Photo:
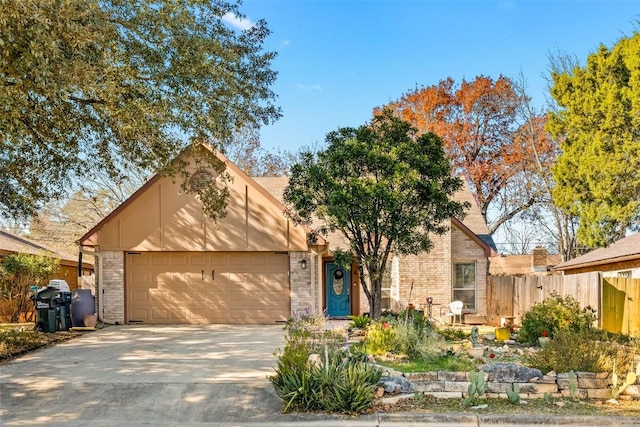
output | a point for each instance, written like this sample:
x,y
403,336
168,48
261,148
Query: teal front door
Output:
x,y
337,290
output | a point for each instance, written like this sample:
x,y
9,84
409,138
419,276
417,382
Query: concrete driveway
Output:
x,y
146,375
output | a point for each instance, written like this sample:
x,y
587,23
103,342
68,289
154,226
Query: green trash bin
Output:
x,y
46,309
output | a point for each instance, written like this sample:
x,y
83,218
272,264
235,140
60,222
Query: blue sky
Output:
x,y
337,60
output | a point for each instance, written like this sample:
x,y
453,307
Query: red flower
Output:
x,y
492,356
545,333
385,325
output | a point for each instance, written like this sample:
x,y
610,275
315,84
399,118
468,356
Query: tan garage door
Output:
x,y
207,287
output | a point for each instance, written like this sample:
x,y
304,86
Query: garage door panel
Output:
x,y
141,296
218,260
137,314
179,287
239,260
159,259
199,260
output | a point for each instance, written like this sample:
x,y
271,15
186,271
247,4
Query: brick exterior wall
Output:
x,y
432,273
304,282
112,286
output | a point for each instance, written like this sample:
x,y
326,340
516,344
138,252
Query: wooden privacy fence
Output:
x,y
616,300
621,305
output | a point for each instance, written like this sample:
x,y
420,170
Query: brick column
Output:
x,y
112,286
300,280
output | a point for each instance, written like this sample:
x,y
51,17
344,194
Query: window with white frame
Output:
x,y
386,303
464,284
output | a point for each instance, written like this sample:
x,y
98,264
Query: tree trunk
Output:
x,y
375,298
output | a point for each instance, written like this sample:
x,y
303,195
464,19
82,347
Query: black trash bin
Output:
x,y
64,311
46,309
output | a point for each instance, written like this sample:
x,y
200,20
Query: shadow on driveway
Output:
x,y
153,375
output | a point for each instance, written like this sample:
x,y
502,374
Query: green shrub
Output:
x,y
338,384
416,342
380,338
453,334
305,323
416,319
360,321
580,351
552,315
306,335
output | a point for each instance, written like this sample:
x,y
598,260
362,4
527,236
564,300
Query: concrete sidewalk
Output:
x,y
213,375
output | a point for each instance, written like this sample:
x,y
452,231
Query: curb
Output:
x,y
482,419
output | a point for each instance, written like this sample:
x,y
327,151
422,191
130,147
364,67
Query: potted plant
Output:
x,y
503,334
543,339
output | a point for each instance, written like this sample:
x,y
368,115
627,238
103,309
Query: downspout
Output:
x,y
99,284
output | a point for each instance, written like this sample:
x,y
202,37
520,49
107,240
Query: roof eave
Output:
x,y
561,267
488,251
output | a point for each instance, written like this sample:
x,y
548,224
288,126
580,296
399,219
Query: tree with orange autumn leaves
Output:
x,y
486,139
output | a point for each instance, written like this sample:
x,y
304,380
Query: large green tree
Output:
x,y
597,174
87,84
383,186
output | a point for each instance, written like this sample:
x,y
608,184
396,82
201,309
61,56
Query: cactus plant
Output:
x,y
477,387
512,393
631,377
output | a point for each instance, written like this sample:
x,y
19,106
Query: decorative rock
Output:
x,y
632,390
314,360
612,402
560,404
379,392
490,337
456,386
421,376
453,376
510,372
397,385
395,399
431,386
598,393
581,374
388,372
476,353
538,388
592,383
485,406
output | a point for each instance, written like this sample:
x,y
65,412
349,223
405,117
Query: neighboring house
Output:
x,y
620,259
538,263
12,244
162,261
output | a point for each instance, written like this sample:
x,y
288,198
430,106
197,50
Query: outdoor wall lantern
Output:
x,y
303,264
